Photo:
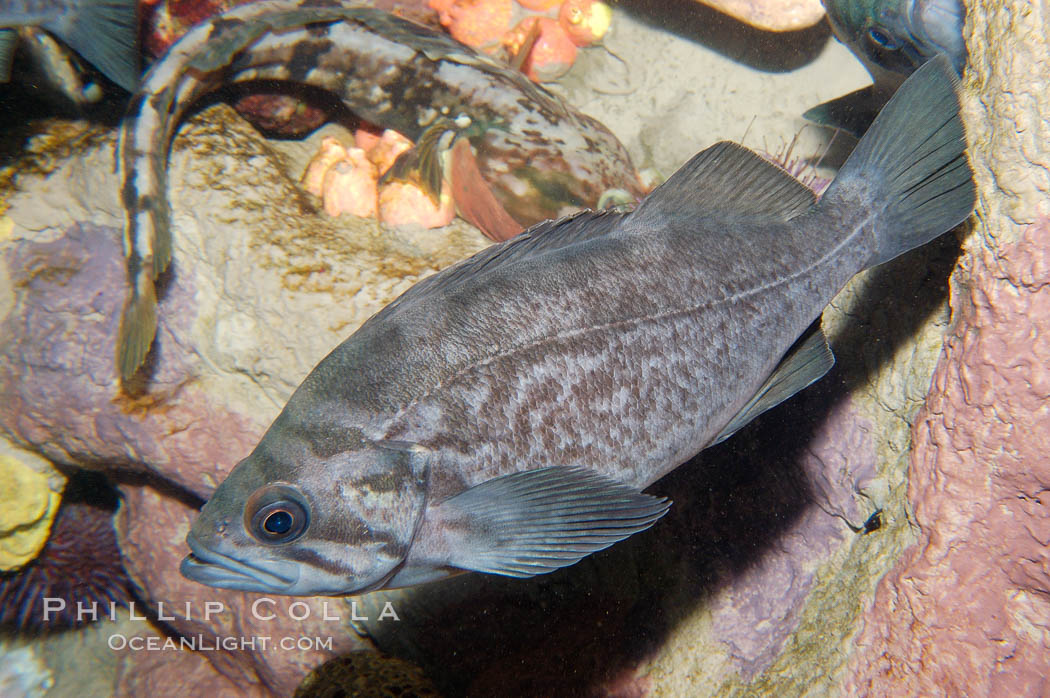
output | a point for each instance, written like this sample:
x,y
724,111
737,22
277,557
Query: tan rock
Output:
x,y
772,15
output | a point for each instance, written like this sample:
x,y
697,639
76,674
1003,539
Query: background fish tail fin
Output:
x,y
105,32
8,40
910,169
138,325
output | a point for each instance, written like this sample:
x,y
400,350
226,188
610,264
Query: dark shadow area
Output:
x,y
23,106
775,52
584,630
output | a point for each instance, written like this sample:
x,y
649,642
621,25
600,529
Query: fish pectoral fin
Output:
x,y
726,182
474,199
803,365
8,41
425,163
105,33
538,521
852,113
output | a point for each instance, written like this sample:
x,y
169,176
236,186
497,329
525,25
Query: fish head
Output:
x,y
899,35
319,524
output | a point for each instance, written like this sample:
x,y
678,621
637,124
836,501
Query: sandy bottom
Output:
x,y
674,77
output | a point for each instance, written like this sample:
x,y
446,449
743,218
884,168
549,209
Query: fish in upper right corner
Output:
x,y
892,38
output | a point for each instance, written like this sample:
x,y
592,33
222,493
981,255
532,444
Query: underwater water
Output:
x,y
159,309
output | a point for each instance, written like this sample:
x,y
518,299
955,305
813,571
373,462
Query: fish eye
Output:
x,y
275,514
883,39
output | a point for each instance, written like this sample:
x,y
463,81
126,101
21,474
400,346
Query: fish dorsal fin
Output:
x,y
537,521
542,238
803,365
728,182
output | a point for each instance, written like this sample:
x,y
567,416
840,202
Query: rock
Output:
x,y
965,611
772,15
366,674
253,258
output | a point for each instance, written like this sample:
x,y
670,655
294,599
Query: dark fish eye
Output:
x,y
279,521
881,38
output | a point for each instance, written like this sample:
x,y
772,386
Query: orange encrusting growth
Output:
x,y
551,52
347,181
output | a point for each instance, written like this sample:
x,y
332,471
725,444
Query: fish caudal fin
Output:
x,y
138,326
537,521
910,169
105,33
8,41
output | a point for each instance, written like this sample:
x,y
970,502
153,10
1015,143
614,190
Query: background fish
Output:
x,y
503,415
104,32
892,38
540,157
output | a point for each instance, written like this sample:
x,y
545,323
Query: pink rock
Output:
x,y
966,611
71,290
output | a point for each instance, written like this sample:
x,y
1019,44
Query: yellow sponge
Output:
x,y
28,503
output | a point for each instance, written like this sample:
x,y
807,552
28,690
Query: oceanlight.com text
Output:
x,y
200,643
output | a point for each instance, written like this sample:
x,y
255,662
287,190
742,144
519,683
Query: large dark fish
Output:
x,y
892,38
540,157
504,414
102,31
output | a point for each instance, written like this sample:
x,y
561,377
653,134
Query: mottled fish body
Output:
x,y
540,157
102,31
503,415
892,38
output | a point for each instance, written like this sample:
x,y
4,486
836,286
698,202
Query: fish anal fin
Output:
x,y
802,366
727,182
537,521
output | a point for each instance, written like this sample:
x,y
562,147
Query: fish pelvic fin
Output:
x,y
105,33
910,169
535,522
138,326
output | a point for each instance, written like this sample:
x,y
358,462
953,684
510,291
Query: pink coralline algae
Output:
x,y
967,610
173,448
71,292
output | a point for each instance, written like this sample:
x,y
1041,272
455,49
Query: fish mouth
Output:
x,y
217,570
